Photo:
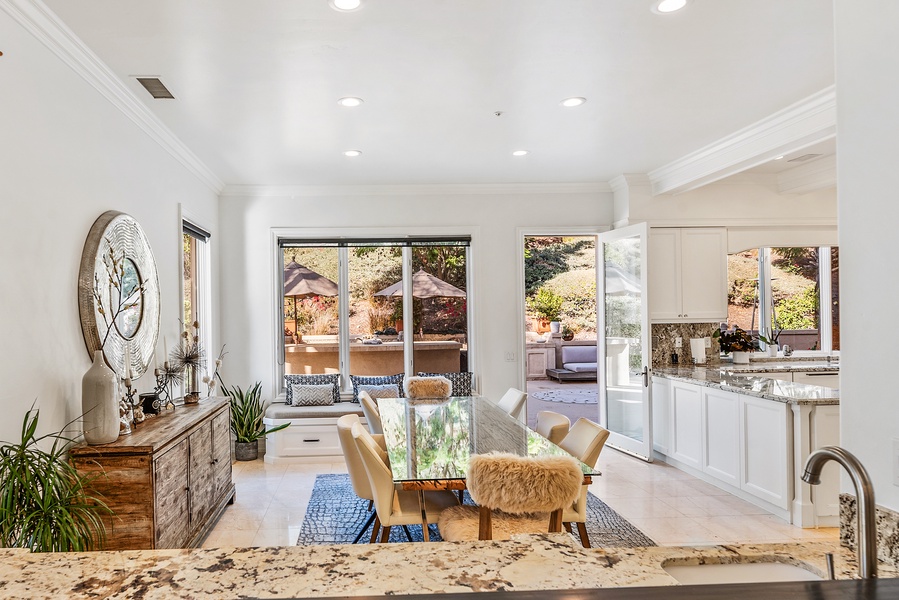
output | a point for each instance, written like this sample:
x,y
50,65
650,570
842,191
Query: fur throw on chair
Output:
x,y
427,387
517,484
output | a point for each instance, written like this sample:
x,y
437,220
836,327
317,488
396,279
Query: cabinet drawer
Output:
x,y
310,440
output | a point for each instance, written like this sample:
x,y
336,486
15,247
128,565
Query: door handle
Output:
x,y
645,377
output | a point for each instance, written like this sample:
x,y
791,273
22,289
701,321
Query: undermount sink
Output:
x,y
739,573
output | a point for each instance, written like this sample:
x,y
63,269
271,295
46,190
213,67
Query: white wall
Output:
x,y
66,156
248,269
867,59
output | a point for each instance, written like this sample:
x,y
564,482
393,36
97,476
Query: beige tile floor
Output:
x,y
668,505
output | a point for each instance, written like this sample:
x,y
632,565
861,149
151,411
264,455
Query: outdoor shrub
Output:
x,y
799,311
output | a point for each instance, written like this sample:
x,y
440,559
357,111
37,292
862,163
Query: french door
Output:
x,y
624,339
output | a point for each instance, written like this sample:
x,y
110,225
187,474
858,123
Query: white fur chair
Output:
x,y
427,387
552,425
515,494
512,402
585,441
371,412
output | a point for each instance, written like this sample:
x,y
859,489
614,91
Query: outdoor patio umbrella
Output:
x,y
424,285
302,282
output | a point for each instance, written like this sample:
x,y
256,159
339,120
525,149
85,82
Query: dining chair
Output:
x,y
371,412
394,507
552,425
434,386
585,441
514,494
354,465
512,402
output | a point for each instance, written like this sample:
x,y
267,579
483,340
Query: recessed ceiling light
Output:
x,y
345,5
778,157
519,152
350,101
353,153
668,6
570,102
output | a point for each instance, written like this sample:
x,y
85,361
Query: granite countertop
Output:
x,y
541,562
780,365
752,385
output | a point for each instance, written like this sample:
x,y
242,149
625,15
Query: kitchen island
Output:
x,y
750,433
528,563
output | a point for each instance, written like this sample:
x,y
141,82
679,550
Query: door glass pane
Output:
x,y
624,335
376,272
440,309
310,310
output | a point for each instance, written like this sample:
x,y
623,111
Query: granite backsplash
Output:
x,y
887,529
663,340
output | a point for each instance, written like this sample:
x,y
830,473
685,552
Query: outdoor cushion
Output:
x,y
580,367
312,395
579,354
462,382
358,380
320,379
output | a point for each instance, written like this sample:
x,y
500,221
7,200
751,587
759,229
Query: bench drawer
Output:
x,y
306,440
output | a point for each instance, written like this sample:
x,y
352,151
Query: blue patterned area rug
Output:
x,y
335,514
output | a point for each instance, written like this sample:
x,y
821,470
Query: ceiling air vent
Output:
x,y
804,158
155,87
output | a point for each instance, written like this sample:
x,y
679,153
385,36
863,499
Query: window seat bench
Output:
x,y
312,435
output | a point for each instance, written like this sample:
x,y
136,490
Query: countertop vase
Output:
x,y
740,358
100,403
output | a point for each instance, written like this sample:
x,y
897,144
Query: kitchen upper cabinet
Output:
x,y
687,274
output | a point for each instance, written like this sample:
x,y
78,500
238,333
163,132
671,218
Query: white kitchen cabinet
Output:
x,y
687,274
661,414
686,424
722,435
766,463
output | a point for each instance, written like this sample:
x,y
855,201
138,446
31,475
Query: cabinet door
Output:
x,y
661,414
703,272
722,436
686,415
221,452
202,484
664,275
766,461
171,502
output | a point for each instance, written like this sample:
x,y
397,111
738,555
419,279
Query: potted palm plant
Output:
x,y
247,411
45,502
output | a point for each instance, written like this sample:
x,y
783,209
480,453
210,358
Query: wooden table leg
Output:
x,y
425,534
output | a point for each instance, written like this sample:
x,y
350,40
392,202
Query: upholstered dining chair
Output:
x,y
394,507
371,412
585,441
354,465
512,402
433,386
528,493
552,425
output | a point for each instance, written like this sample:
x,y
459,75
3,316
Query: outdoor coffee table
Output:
x,y
429,441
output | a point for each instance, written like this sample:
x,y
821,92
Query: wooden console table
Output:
x,y
167,482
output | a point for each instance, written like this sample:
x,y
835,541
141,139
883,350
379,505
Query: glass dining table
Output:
x,y
429,441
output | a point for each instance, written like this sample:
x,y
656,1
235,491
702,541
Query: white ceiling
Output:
x,y
256,83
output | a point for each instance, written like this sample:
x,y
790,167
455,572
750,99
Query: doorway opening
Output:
x,y
560,326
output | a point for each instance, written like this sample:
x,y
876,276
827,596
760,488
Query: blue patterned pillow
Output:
x,y
462,382
321,379
358,380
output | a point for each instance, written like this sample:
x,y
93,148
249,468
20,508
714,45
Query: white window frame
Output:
x,y
277,270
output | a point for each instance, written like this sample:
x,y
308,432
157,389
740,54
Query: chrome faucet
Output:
x,y
866,537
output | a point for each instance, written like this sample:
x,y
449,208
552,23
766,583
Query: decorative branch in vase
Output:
x,y
189,357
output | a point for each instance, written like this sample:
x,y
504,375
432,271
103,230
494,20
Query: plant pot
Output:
x,y
568,337
772,350
246,450
555,326
741,358
542,325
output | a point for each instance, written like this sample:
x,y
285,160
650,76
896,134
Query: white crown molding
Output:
x,y
42,23
460,189
800,125
816,175
778,223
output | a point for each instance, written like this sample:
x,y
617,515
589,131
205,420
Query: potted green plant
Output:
x,y
45,503
567,333
247,411
547,306
739,342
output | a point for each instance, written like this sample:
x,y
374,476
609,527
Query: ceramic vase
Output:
x,y
100,403
741,358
